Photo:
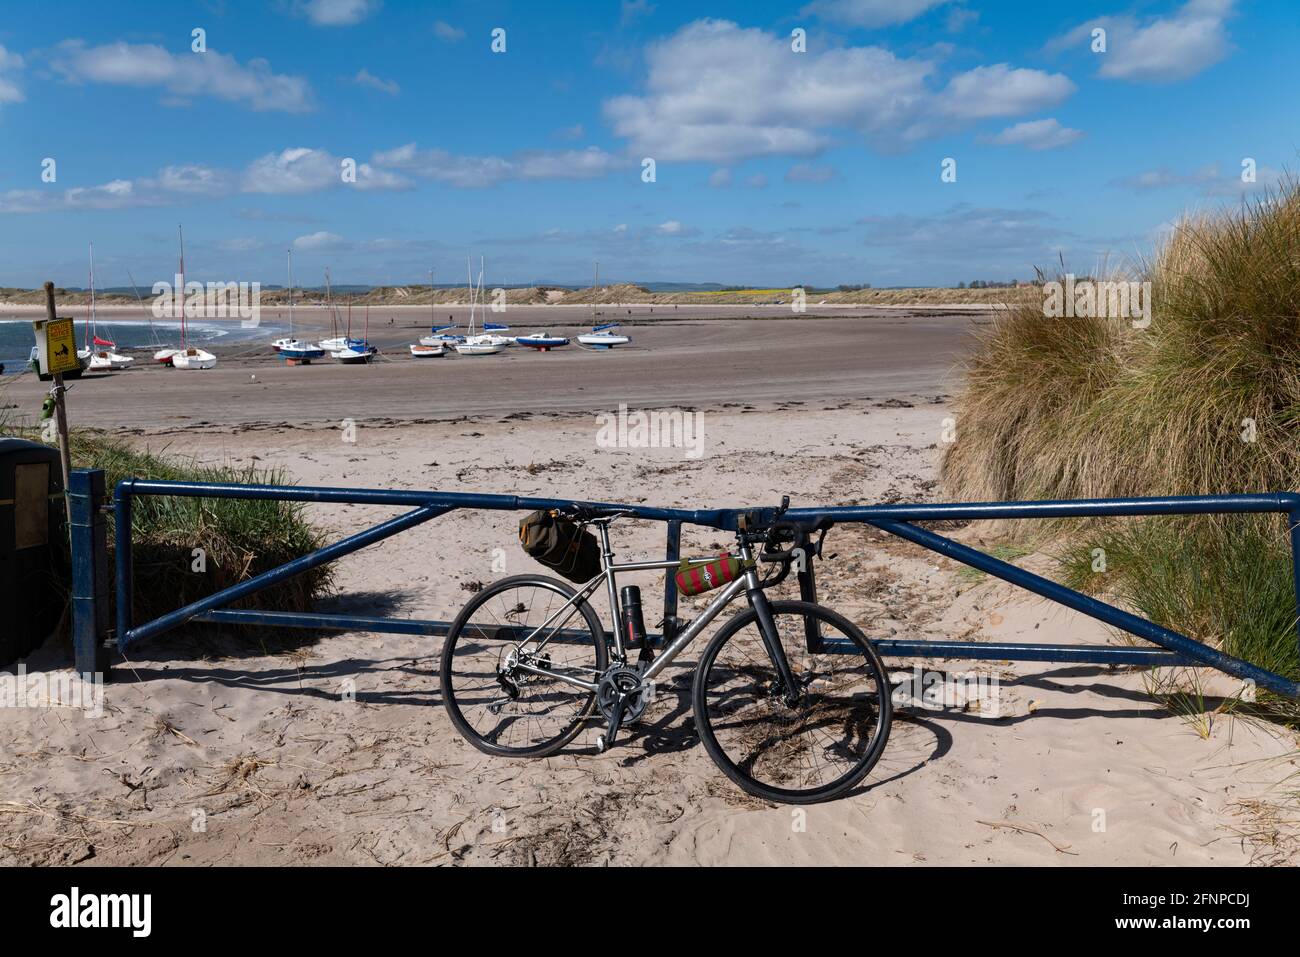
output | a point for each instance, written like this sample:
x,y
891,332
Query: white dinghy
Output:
x,y
189,357
101,353
481,344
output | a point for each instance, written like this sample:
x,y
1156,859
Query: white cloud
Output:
x,y
319,240
959,18
1158,49
365,78
720,93
1000,90
336,13
191,179
720,178
445,32
1020,236
239,244
182,75
1036,135
303,170
299,170
870,13
10,91
1209,180
116,194
670,228
632,9
809,173
167,186
481,171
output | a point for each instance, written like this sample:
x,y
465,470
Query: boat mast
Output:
x,y
432,319
329,303
290,255
148,314
181,234
469,288
90,309
595,281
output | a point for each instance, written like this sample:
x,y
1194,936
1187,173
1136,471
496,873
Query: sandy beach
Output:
x,y
707,361
237,754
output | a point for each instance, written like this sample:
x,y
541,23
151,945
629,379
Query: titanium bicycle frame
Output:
x,y
749,583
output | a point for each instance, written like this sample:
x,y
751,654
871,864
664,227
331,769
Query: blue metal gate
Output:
x,y
1171,648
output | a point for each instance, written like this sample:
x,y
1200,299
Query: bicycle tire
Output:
x,y
456,633
708,723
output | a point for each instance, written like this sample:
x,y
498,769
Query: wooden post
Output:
x,y
60,411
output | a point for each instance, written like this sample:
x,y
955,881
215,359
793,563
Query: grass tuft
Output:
x,y
1206,400
239,538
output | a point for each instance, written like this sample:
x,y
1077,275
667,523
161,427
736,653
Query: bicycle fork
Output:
x,y
772,640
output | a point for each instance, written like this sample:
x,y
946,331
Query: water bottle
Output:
x,y
632,623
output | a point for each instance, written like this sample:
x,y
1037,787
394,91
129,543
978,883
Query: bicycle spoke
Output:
x,y
507,707
813,745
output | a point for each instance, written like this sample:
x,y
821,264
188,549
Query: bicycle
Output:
x,y
790,699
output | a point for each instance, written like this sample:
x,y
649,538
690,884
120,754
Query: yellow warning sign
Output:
x,y
61,346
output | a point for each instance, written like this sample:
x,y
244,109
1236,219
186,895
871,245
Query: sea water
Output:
x,y
17,338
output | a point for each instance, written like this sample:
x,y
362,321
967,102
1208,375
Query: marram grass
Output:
x,y
1205,400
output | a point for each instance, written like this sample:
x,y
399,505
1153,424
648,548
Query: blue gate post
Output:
x,y
672,552
122,553
813,638
89,542
1295,569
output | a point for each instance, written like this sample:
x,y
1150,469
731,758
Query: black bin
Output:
x,y
34,575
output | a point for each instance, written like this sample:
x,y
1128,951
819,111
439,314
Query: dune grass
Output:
x,y
238,538
1205,400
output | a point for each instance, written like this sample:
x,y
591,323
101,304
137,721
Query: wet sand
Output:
x,y
709,359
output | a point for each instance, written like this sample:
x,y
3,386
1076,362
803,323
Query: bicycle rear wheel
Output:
x,y
501,708
814,750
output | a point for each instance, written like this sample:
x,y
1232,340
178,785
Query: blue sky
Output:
x,y
772,166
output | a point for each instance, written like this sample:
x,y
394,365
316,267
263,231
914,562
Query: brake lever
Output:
x,y
821,540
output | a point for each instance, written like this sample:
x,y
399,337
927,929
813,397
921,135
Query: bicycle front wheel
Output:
x,y
503,667
815,749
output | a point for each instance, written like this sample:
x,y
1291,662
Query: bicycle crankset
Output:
x,y
622,695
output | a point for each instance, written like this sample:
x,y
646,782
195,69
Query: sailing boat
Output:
x,y
187,356
288,340
293,349
477,345
101,359
335,342
600,336
541,341
153,332
357,351
165,355
434,344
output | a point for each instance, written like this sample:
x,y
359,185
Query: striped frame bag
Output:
x,y
693,578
